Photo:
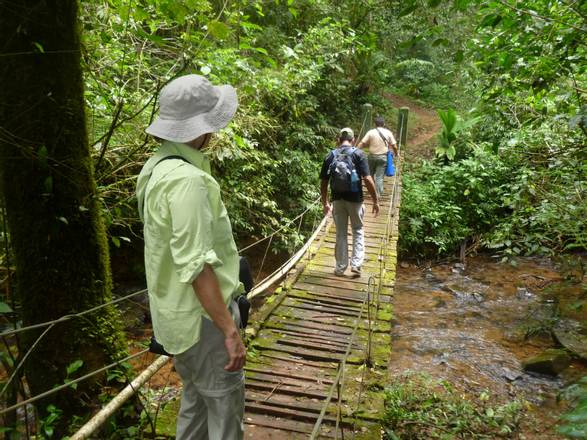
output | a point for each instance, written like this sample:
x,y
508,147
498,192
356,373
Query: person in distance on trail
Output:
x,y
379,140
345,168
191,260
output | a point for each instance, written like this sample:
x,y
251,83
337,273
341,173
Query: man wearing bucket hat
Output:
x,y
191,260
345,168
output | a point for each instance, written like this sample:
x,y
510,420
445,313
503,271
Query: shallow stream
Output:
x,y
474,325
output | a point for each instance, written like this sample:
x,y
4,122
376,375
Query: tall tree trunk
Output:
x,y
57,232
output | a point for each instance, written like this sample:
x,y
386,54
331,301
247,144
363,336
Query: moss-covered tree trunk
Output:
x,y
57,233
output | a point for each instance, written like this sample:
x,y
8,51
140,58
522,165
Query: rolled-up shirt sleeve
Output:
x,y
192,233
365,141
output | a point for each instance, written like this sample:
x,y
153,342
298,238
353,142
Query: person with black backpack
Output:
x,y
345,168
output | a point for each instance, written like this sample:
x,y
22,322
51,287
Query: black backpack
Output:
x,y
342,171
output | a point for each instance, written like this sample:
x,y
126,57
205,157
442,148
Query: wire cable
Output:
x,y
68,384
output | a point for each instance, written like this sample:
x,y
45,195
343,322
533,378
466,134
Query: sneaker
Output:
x,y
339,273
356,270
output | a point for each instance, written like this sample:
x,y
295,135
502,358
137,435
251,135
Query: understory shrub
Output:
x,y
442,205
573,423
419,408
415,75
523,195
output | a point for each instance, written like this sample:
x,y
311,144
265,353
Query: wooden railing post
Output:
x,y
402,126
367,120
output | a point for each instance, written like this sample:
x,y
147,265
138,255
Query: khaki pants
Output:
x,y
377,164
213,400
342,211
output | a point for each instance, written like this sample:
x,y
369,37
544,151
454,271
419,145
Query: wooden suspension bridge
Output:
x,y
318,358
318,350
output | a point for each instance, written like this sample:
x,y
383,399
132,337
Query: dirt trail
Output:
x,y
421,135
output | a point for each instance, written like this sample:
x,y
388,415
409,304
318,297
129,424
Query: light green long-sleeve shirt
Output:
x,y
185,226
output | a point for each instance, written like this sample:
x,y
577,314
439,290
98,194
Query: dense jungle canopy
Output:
x,y
512,156
508,78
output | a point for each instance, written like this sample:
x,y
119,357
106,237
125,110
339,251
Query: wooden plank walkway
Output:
x,y
311,327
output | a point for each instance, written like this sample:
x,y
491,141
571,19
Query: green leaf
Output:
x,y
434,3
48,185
439,42
490,20
115,241
408,9
451,152
74,366
574,431
461,5
43,156
218,29
39,47
5,308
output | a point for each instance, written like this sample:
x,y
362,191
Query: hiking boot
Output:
x,y
356,271
339,273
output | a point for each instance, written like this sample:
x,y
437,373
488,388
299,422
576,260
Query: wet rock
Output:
x,y
440,359
524,294
570,335
458,268
468,297
440,303
511,375
550,362
431,278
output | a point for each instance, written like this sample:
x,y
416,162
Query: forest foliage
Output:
x,y
512,78
510,173
299,74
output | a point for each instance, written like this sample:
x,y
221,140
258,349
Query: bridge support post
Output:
x,y
367,120
402,126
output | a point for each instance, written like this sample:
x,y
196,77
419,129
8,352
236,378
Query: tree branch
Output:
x,y
535,14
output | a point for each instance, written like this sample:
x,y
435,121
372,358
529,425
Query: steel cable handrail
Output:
x,y
280,229
71,316
73,381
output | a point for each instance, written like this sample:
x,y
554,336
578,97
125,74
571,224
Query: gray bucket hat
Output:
x,y
190,106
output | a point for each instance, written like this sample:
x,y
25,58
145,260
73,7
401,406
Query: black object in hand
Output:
x,y
156,347
244,305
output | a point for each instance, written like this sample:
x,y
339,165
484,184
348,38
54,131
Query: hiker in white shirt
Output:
x,y
379,140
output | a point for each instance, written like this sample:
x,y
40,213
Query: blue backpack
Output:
x,y
342,171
